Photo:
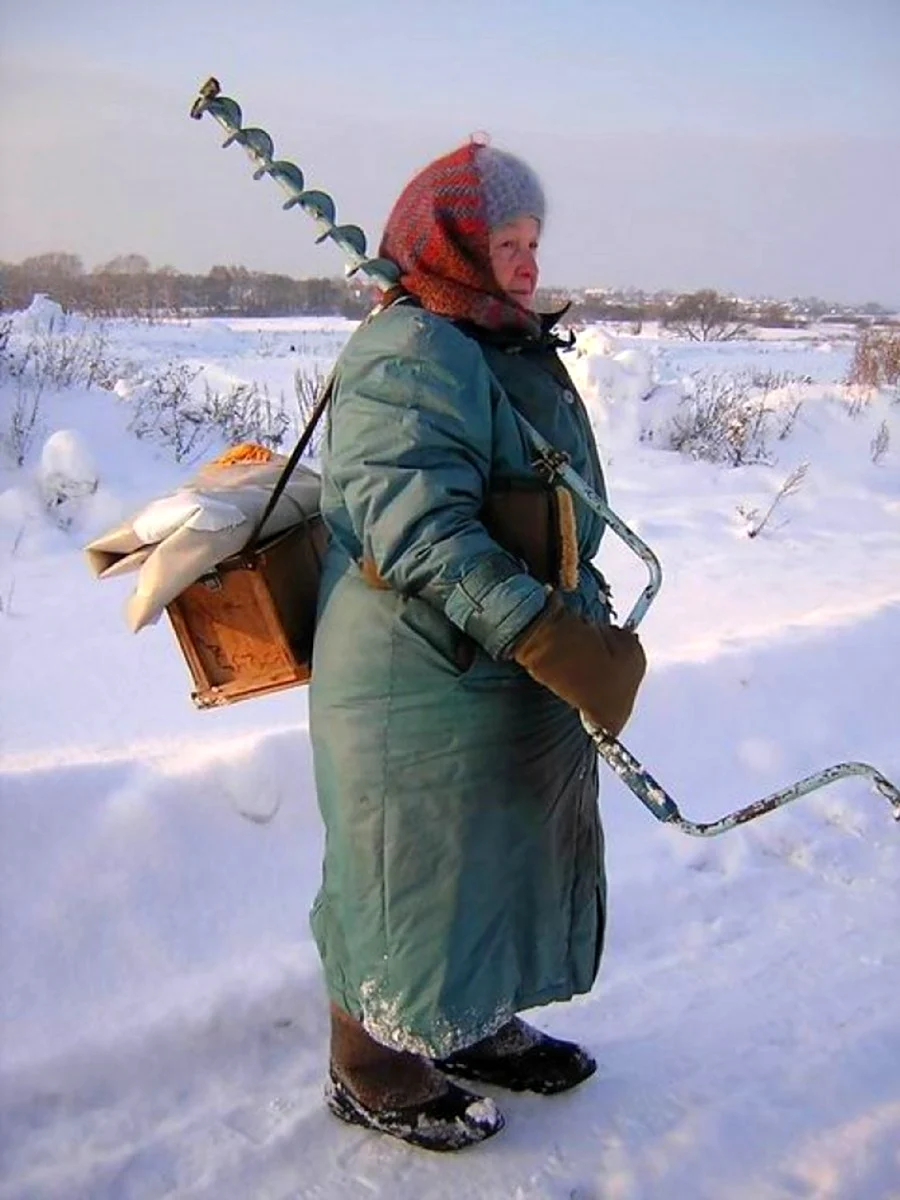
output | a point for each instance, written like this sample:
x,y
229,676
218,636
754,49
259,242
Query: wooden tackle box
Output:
x,y
247,628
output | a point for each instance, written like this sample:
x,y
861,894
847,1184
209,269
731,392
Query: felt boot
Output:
x,y
522,1059
401,1094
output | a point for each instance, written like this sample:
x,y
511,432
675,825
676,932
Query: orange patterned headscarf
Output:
x,y
437,234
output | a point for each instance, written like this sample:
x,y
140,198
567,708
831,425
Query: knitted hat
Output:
x,y
510,187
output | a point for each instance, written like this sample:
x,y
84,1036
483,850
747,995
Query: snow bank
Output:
x,y
167,1026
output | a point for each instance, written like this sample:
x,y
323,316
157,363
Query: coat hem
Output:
x,y
381,1020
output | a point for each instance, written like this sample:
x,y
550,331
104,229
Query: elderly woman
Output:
x,y
462,630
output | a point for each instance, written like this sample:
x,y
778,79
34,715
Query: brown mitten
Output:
x,y
595,668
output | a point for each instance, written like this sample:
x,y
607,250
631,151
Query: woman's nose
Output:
x,y
527,264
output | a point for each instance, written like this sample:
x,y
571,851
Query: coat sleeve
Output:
x,y
407,466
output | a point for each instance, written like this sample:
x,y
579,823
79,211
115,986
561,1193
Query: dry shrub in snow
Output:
x,y
876,359
722,419
308,385
756,521
880,443
57,353
164,411
248,413
170,411
733,417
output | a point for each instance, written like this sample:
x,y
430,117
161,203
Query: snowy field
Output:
x,y
164,1024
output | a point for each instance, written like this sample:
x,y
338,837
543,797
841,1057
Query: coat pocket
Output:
x,y
427,626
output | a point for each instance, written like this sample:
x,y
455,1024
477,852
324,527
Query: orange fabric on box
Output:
x,y
244,452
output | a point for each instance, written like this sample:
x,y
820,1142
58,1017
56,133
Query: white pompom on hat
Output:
x,y
511,188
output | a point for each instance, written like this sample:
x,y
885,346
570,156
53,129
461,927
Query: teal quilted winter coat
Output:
x,y
463,876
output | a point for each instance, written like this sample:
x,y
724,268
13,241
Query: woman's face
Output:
x,y
514,258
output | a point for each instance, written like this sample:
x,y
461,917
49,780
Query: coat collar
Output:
x,y
520,341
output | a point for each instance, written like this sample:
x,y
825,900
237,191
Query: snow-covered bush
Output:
x,y
731,417
43,350
720,419
64,358
59,351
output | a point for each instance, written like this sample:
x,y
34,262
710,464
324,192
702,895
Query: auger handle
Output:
x,y
553,463
657,800
208,92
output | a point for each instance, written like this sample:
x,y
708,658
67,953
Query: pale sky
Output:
x,y
748,145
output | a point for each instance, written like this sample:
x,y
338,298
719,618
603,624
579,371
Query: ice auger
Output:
x,y
320,206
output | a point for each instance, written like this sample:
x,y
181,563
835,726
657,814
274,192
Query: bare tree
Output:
x,y
55,265
125,264
705,316
58,274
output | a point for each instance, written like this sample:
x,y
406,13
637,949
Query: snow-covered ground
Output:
x,y
164,1024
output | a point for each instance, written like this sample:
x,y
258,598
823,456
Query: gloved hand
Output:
x,y
595,668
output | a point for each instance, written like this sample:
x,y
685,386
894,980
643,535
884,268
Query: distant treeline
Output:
x,y
128,286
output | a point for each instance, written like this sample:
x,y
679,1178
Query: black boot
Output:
x,y
401,1094
522,1059
450,1121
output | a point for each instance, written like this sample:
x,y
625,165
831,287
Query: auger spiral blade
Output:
x,y
289,178
351,240
320,206
383,268
316,203
259,147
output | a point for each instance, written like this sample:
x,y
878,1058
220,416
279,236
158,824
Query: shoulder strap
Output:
x,y
396,296
291,464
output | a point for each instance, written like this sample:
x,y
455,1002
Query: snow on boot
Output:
x,y
450,1121
522,1059
401,1094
